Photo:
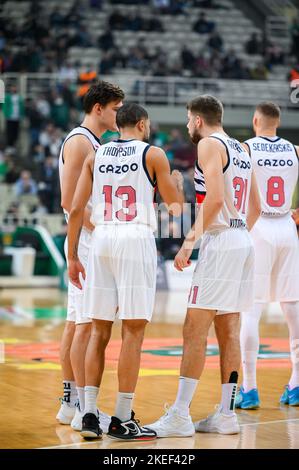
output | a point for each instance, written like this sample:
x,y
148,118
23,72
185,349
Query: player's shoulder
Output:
x,y
210,142
76,142
155,152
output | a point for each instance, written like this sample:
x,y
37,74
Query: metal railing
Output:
x,y
169,91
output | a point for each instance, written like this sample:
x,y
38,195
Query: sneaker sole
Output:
x,y
162,435
64,421
77,429
90,435
118,438
249,407
216,431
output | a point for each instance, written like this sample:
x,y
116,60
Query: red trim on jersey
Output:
x,y
200,198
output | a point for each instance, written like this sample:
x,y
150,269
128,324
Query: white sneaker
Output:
x,y
76,423
219,422
104,419
65,413
172,424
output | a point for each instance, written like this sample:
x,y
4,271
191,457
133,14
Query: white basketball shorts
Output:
x,y
223,276
277,260
121,273
75,295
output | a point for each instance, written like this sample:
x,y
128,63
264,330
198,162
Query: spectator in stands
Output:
x,y
50,139
295,37
48,183
254,45
60,111
175,143
12,166
67,72
274,55
117,21
106,40
215,41
35,121
187,59
202,25
158,137
107,62
25,184
259,72
13,109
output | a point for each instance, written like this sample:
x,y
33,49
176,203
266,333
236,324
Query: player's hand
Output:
x,y
74,269
182,261
178,178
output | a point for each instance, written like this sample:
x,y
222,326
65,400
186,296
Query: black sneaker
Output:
x,y
91,427
129,430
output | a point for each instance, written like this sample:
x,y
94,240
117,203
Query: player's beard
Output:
x,y
146,137
195,137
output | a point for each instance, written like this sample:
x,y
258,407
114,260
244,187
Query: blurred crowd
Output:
x,y
42,43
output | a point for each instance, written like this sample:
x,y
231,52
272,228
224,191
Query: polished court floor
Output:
x,y
31,323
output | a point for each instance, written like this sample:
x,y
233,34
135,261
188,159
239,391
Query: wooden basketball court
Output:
x,y
31,323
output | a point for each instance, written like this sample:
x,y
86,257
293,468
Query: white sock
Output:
x,y
249,341
187,387
228,398
123,408
69,392
291,311
81,398
91,394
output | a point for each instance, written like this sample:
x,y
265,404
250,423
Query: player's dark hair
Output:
x,y
102,93
269,109
208,107
129,114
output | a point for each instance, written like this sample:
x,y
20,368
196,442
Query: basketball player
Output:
x,y
121,272
100,106
223,279
275,162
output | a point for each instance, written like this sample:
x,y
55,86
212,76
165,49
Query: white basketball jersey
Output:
x,y
123,191
275,163
237,183
95,142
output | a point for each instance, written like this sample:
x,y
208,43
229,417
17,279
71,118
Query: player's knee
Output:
x,y
101,331
83,331
134,328
69,328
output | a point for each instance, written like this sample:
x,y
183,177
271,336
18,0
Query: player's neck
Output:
x,y
266,132
94,126
214,130
129,135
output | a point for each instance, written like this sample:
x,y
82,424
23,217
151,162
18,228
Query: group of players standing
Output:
x,y
107,197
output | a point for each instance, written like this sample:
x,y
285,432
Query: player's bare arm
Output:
x,y
254,206
74,154
76,219
212,159
170,185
